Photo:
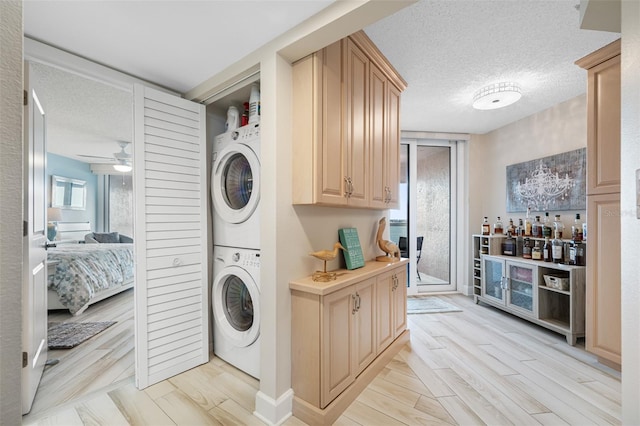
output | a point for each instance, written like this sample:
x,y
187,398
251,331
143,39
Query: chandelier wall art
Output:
x,y
548,184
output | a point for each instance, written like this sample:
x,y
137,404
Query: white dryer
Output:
x,y
236,307
235,188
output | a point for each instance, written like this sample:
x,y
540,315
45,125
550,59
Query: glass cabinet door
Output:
x,y
520,288
492,280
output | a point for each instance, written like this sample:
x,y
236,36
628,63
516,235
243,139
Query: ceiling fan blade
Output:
x,y
95,156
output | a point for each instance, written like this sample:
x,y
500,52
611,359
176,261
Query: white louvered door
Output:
x,y
170,235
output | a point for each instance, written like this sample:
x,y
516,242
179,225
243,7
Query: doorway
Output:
x,y
425,225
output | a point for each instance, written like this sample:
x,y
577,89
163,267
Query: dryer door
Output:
x,y
236,305
235,183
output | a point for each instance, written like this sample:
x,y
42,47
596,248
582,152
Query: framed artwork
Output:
x,y
553,183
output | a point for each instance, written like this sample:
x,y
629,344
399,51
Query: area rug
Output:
x,y
67,335
429,305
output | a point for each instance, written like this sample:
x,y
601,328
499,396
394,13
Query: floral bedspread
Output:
x,y
83,270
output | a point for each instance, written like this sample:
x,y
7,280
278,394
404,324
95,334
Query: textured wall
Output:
x,y
631,225
10,210
121,204
432,210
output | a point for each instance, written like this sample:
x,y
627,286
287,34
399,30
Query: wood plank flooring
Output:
x,y
478,366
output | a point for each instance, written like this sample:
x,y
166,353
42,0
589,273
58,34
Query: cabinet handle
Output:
x,y
350,187
387,195
358,301
355,305
346,186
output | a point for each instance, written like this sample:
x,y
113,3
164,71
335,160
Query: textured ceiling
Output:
x,y
445,49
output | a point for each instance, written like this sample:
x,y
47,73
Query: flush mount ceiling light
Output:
x,y
496,96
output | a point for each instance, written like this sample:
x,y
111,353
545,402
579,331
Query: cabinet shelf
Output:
x,y
555,290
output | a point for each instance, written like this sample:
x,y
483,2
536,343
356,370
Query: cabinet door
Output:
x,y
393,145
333,149
492,279
603,293
400,302
603,131
364,330
385,296
356,82
520,294
337,336
378,171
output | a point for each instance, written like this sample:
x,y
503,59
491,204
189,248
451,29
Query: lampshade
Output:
x,y
54,214
496,96
122,166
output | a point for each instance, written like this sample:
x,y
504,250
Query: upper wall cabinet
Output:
x,y
347,126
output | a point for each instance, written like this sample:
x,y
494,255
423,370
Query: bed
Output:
x,y
83,274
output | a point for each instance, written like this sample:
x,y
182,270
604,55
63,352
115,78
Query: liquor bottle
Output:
x,y
546,225
557,252
558,225
526,249
536,228
509,246
536,252
520,229
486,228
576,229
578,253
546,250
527,223
511,228
497,227
519,238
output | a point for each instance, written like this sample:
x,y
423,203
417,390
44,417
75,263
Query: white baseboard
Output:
x,y
271,411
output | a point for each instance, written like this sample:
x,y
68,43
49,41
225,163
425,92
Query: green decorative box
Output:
x,y
353,256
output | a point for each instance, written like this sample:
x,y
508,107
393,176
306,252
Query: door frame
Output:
x,y
458,220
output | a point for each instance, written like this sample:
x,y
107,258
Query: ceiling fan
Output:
x,y
121,160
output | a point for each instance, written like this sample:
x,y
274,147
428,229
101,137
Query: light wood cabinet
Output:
x,y
346,133
391,306
603,203
336,336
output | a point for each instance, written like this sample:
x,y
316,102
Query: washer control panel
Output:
x,y
246,260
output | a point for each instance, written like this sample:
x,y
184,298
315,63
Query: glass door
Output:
x,y
520,291
493,278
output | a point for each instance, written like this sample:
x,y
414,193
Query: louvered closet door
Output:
x,y
170,236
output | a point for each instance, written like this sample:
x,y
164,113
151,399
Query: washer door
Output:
x,y
236,306
235,183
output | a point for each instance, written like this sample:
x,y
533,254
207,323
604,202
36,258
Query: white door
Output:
x,y
170,181
34,286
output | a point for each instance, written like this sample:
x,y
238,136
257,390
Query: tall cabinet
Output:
x,y
603,314
347,134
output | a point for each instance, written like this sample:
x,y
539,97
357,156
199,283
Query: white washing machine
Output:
x,y
235,188
236,307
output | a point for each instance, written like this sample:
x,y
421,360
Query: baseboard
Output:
x,y
272,411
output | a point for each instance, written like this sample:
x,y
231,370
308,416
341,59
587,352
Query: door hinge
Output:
x,y
25,359
25,228
25,100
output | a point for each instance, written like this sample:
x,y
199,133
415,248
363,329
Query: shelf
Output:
x,y
555,290
556,323
522,293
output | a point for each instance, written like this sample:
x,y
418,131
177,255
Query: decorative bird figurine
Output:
x,y
325,255
389,247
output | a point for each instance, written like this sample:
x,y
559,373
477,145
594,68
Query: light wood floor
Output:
x,y
478,366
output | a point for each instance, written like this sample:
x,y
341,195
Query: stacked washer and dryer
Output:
x,y
235,190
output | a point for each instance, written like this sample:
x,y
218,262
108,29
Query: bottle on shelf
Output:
x,y
576,229
557,249
509,246
511,227
497,227
527,223
536,228
536,252
486,227
244,120
576,256
546,226
558,225
520,228
526,249
546,250
519,239
254,104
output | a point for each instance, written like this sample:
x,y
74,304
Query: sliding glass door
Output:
x,y
426,222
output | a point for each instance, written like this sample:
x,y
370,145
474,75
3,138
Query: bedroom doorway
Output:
x,y
87,120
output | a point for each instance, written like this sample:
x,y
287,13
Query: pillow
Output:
x,y
106,237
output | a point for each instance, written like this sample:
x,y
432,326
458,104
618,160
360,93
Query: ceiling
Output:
x,y
446,50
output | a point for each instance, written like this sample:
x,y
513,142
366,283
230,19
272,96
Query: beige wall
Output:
x,y
629,222
10,210
558,129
